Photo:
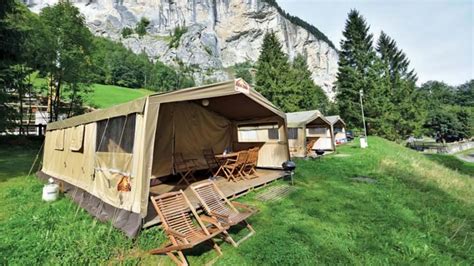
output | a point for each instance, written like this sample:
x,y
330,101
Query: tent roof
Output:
x,y
300,119
334,119
217,93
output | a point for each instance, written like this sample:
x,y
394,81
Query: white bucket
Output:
x,y
50,191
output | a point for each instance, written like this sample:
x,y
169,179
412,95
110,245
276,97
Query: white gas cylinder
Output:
x,y
50,191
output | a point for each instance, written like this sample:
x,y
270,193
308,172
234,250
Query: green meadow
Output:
x,y
414,210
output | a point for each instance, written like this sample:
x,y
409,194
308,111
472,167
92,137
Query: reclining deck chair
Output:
x,y
174,210
220,208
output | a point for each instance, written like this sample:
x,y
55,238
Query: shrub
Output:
x,y
126,32
176,37
140,29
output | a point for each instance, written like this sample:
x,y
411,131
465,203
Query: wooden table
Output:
x,y
226,156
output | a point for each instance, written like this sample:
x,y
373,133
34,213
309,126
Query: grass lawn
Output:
x,y
418,212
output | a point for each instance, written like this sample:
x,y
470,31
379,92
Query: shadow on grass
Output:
x,y
453,163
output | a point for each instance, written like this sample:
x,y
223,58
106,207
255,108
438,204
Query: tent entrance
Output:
x,y
189,127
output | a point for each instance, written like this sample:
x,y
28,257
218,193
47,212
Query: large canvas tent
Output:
x,y
339,128
94,152
306,126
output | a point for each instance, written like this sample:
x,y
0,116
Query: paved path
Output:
x,y
466,157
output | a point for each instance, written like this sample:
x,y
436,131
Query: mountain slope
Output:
x,y
220,33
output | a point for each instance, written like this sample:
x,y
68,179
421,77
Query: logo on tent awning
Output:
x,y
242,86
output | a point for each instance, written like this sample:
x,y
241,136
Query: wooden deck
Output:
x,y
230,189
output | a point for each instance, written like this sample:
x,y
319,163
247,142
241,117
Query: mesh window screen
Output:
x,y
273,133
292,133
316,131
116,134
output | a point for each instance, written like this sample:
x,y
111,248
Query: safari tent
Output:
x,y
308,131
339,128
93,154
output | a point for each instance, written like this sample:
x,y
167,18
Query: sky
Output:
x,y
436,35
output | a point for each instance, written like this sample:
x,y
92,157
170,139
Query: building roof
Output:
x,y
299,119
334,119
216,90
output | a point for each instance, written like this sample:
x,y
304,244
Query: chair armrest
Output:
x,y
210,220
175,233
219,215
244,206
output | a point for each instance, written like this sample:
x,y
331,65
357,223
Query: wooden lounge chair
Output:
x,y
211,161
176,213
250,168
220,208
185,168
233,169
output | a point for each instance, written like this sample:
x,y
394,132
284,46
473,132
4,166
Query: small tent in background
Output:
x,y
339,128
308,131
108,158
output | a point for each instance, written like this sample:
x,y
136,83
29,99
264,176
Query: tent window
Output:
x,y
59,139
292,133
116,134
273,134
77,138
248,135
258,133
316,131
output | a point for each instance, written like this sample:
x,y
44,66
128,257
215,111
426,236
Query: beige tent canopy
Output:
x,y
132,143
339,128
308,127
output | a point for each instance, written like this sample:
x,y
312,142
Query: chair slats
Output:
x,y
177,213
218,206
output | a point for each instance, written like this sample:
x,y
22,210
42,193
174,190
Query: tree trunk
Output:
x,y
50,98
57,100
73,97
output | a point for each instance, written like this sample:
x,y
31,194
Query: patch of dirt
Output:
x,y
364,179
341,155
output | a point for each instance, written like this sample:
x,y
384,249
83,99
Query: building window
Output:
x,y
273,134
116,134
292,133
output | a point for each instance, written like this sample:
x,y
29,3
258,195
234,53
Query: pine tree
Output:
x,y
402,91
361,70
311,95
355,60
271,78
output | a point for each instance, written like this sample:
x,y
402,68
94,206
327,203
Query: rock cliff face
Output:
x,y
220,33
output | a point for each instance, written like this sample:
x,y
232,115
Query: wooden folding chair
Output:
x,y
185,168
176,213
250,168
233,168
220,208
309,146
211,161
